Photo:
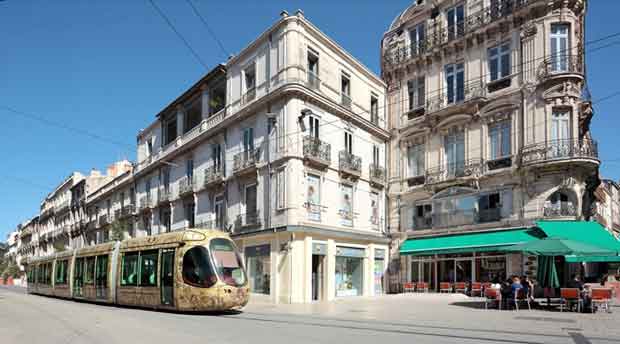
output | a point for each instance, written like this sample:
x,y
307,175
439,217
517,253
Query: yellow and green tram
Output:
x,y
191,270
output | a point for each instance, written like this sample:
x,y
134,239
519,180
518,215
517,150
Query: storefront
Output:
x,y
349,271
258,266
379,271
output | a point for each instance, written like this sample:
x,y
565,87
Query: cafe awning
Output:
x,y
588,232
468,242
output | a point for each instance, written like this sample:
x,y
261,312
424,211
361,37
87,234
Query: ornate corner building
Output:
x,y
489,122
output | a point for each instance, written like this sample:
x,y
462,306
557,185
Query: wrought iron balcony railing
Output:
x,y
219,224
317,150
345,101
440,35
377,174
559,150
213,175
186,185
163,194
459,169
145,203
247,220
422,222
248,96
559,209
127,210
350,163
245,160
472,90
560,64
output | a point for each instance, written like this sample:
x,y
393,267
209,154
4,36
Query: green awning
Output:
x,y
468,242
589,232
593,259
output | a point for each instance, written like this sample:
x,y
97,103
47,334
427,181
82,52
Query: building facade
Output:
x,y
607,211
490,127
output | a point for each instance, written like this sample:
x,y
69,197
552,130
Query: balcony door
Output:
x,y
560,134
250,204
248,142
455,82
560,49
218,210
454,146
456,22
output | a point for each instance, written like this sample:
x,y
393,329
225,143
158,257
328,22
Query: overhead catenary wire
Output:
x,y
225,52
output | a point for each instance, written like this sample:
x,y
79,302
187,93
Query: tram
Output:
x,y
190,270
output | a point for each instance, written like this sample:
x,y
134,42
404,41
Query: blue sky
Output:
x,y
110,66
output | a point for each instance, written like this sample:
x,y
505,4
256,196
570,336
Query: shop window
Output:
x,y
349,271
129,274
148,268
258,265
197,269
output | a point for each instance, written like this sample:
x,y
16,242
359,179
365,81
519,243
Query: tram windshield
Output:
x,y
227,262
197,270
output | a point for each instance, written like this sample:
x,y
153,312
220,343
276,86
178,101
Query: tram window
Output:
x,y
130,269
227,262
148,268
40,274
197,270
61,272
89,272
48,274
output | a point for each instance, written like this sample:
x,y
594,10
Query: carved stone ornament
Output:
x,y
529,30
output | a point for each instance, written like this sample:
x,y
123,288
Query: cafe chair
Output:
x,y
476,289
445,287
408,287
522,297
570,296
422,287
602,297
460,287
492,295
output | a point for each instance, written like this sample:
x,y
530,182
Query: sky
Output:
x,y
108,67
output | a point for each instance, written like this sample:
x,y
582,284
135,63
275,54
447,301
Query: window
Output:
x,y
147,187
217,97
345,89
423,216
374,109
108,206
216,154
375,219
313,197
193,114
313,123
189,169
48,273
416,89
218,210
122,199
197,270
101,271
190,214
499,138
313,68
560,47
489,207
415,159
149,146
170,129
346,210
280,189
250,199
61,272
148,268
248,139
165,173
89,271
165,219
146,219
348,142
499,61
560,125
456,24
129,273
416,39
227,262
375,155
454,147
250,78
132,196
455,82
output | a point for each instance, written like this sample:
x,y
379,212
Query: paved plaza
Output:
x,y
411,318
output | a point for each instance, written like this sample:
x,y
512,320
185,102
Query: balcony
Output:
x,y
422,222
145,203
378,175
499,163
247,221
62,206
560,65
244,163
186,186
449,172
489,215
249,96
218,224
349,164
472,91
214,177
561,209
128,210
313,82
317,152
559,150
416,179
163,195
457,217
435,38
103,220
345,100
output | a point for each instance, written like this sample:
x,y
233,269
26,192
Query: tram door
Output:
x,y
101,277
167,277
